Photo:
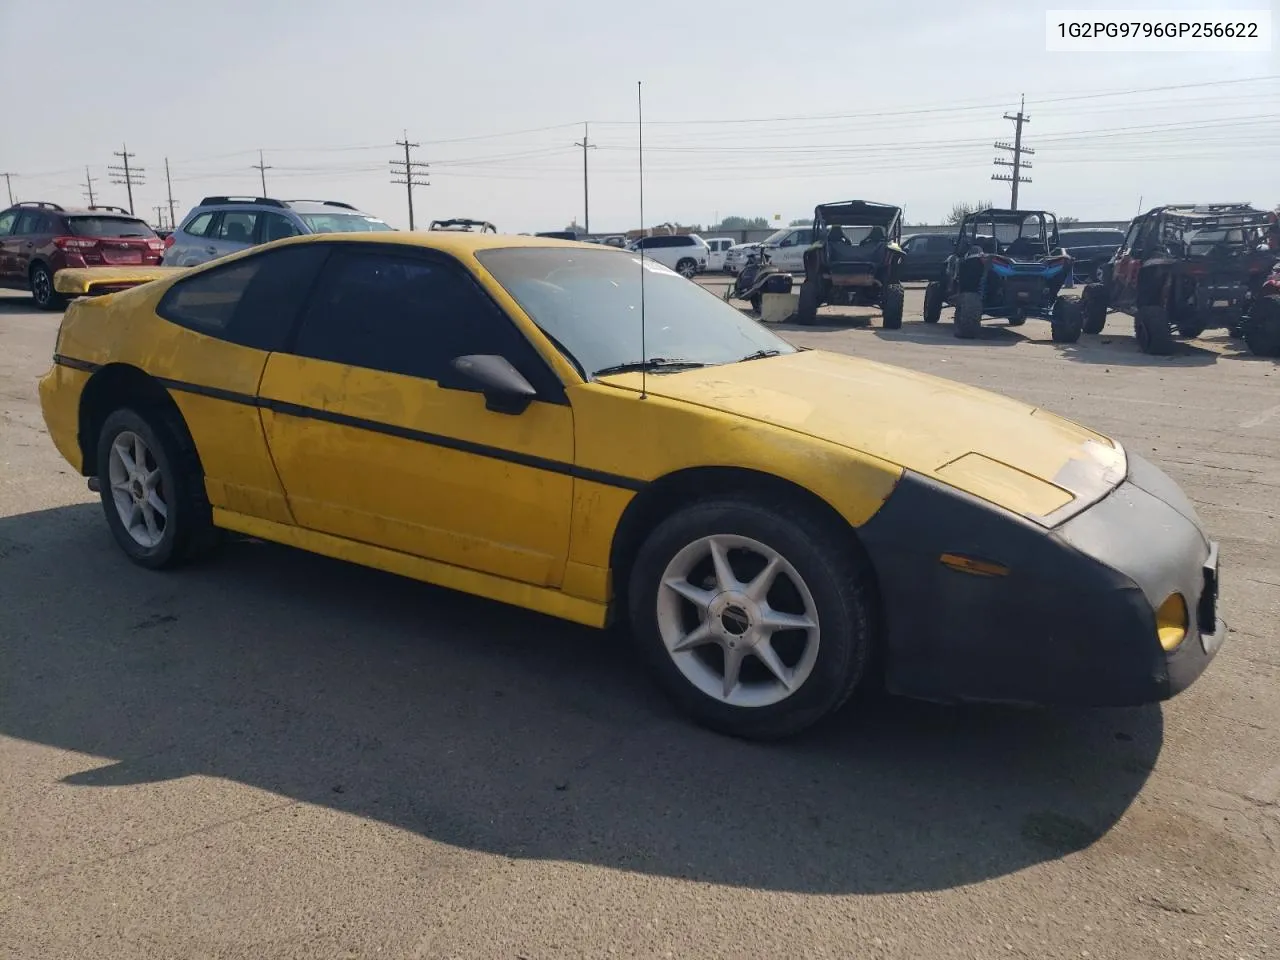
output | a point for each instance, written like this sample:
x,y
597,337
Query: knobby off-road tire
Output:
x,y
807,308
1152,331
1067,321
933,302
892,305
1094,300
1262,333
968,315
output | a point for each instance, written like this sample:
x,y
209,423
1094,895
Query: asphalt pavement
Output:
x,y
277,755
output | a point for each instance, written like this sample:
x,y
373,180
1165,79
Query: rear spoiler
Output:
x,y
96,281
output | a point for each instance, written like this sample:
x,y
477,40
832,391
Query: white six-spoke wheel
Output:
x,y
136,489
738,621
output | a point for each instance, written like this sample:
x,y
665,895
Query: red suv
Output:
x,y
38,239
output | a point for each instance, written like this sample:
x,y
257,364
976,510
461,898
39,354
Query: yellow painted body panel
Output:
x,y
123,328
894,415
60,391
546,600
78,281
457,506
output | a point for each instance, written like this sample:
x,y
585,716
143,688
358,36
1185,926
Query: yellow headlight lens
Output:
x,y
1171,622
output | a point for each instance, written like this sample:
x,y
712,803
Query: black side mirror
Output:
x,y
505,388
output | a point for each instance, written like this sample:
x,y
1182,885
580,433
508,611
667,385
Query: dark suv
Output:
x,y
38,239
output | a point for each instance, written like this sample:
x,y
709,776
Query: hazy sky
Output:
x,y
838,99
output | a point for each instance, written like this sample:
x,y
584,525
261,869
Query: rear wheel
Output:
x,y
807,308
933,302
1262,333
1018,319
1094,300
1067,320
152,489
755,618
756,302
42,291
892,305
968,315
1152,331
687,268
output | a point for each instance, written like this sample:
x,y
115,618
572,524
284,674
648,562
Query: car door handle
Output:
x,y
210,249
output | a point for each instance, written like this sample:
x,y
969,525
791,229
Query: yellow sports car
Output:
x,y
580,431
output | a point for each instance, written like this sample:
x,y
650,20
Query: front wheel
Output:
x,y
687,268
1262,332
152,489
1094,299
1152,331
755,619
968,315
42,291
807,308
1067,320
933,302
891,306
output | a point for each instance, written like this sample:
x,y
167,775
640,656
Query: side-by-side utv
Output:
x,y
854,260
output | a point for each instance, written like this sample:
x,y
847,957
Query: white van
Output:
x,y
717,247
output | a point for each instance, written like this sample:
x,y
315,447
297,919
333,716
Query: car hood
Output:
x,y
1017,456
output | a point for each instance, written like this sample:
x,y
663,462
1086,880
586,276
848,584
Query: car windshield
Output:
x,y
588,301
777,236
342,223
109,227
1091,238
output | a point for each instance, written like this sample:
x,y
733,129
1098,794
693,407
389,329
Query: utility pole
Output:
x,y
88,182
410,171
262,169
169,185
8,186
586,145
159,209
125,174
1017,149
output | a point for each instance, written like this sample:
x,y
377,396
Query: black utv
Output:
x,y
854,260
1007,263
1187,269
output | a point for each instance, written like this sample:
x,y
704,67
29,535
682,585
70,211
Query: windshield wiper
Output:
x,y
653,363
760,355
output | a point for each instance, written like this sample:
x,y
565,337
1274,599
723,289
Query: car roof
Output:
x,y
118,213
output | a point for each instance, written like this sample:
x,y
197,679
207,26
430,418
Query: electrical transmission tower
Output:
x,y
124,174
88,183
586,145
411,172
1017,149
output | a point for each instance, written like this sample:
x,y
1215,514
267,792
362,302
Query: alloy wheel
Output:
x,y
137,489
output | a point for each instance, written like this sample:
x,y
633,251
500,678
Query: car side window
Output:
x,y
199,227
409,315
275,227
27,223
7,220
237,226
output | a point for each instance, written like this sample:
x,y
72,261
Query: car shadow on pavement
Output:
x,y
1121,350
492,729
992,333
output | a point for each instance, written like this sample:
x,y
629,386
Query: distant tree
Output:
x,y
802,222
744,223
961,210
1068,220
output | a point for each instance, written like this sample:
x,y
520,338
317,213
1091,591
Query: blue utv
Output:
x,y
1007,263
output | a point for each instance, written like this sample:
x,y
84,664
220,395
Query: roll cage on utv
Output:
x,y
1007,263
854,260
464,225
1190,268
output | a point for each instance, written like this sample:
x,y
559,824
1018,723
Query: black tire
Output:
x,y
188,530
1262,332
838,578
1152,331
756,302
892,305
1018,319
807,308
1094,300
968,315
687,268
933,302
42,291
1067,320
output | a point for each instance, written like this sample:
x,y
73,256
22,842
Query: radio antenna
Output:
x,y
644,353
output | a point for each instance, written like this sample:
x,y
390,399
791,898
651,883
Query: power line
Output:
x,y
262,169
124,174
586,145
88,182
410,170
8,185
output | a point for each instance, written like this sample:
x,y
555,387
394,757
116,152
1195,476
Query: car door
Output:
x,y
1128,261
232,317
22,243
7,221
274,226
191,243
378,439
790,252
234,230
